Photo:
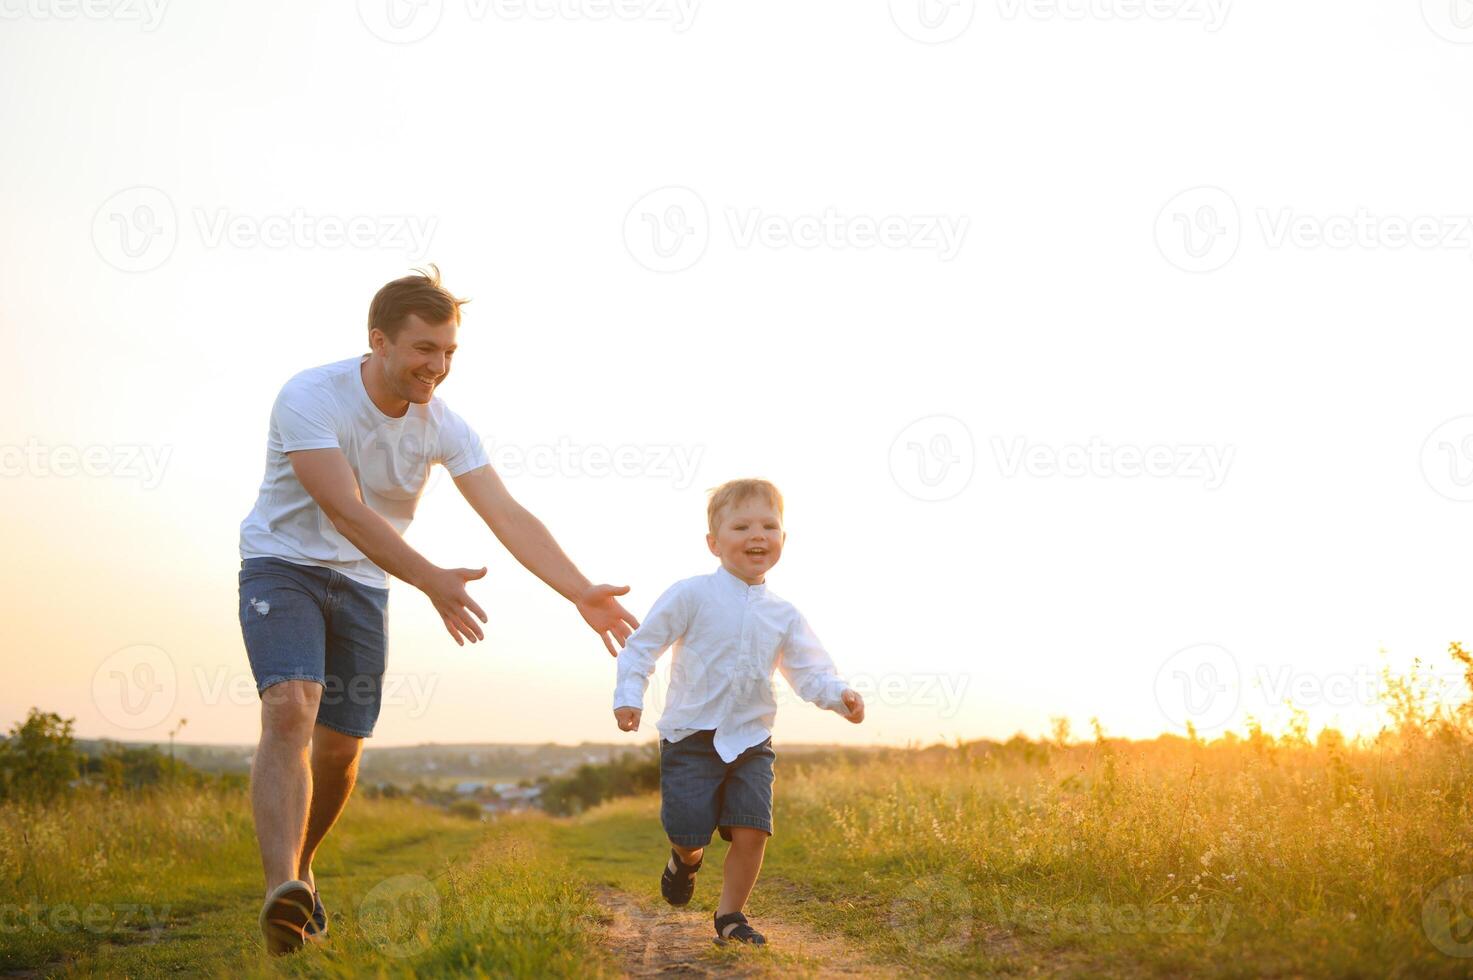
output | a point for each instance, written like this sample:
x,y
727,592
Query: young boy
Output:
x,y
729,633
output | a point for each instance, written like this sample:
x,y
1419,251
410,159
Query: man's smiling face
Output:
x,y
419,360
749,538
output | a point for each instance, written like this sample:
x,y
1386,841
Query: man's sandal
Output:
x,y
317,927
678,884
285,916
734,928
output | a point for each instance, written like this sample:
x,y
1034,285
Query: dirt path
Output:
x,y
671,942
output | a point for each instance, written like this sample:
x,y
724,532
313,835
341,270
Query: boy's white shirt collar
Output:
x,y
728,638
725,574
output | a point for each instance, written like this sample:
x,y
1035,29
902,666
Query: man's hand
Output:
x,y
602,611
446,589
855,705
628,719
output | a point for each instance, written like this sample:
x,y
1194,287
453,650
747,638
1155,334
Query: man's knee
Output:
x,y
289,710
334,749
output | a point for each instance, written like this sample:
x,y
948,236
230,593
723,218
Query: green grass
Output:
x,y
1241,858
170,882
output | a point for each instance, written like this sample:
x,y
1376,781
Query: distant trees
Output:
x,y
589,785
38,761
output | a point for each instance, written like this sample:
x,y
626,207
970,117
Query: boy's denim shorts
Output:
x,y
304,622
700,793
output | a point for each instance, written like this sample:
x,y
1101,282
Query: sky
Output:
x,y
1111,354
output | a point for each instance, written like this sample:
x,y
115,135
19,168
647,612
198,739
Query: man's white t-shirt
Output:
x,y
327,407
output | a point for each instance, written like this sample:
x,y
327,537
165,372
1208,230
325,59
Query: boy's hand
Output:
x,y
628,719
855,705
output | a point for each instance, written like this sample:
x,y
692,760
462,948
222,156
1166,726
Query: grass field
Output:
x,y
1249,857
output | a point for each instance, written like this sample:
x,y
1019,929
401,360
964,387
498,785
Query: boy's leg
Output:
x,y
743,863
746,821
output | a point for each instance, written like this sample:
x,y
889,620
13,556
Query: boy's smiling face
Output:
x,y
749,538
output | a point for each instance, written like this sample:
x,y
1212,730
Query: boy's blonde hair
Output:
x,y
734,492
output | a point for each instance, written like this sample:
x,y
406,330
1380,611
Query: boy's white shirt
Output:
x,y
728,637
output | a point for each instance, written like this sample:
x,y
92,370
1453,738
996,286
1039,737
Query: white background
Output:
x,y
1078,145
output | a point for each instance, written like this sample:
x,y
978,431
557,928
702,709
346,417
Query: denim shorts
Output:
x,y
307,623
700,793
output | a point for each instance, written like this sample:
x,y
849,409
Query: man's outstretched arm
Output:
x,y
532,544
327,477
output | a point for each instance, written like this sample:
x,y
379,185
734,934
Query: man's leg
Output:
x,y
334,771
281,777
739,873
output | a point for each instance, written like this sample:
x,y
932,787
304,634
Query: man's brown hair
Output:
x,y
737,491
419,294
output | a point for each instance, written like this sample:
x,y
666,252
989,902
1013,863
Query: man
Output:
x,y
348,453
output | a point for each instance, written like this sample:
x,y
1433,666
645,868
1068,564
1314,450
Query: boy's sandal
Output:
x,y
679,885
734,928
